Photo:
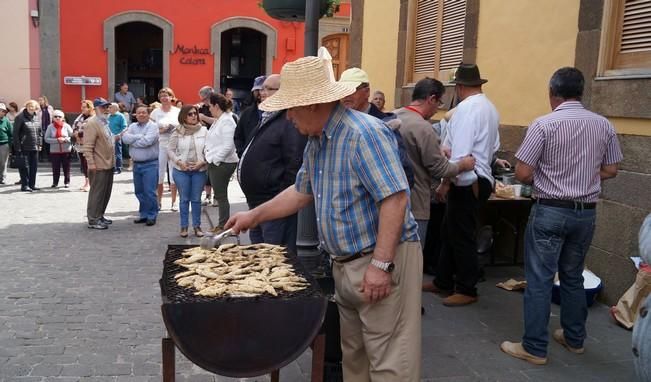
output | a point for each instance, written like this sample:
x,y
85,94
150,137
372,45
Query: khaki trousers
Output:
x,y
101,184
382,341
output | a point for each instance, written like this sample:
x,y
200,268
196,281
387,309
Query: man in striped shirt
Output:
x,y
565,155
351,171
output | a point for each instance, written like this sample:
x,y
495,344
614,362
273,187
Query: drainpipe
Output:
x,y
311,27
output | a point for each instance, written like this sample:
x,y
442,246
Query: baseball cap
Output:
x,y
3,107
58,113
99,101
354,76
257,83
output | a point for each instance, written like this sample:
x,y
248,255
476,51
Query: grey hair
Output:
x,y
205,92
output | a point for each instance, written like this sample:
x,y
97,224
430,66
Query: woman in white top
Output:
x,y
220,153
167,119
186,150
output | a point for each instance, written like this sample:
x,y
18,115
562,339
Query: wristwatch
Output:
x,y
386,266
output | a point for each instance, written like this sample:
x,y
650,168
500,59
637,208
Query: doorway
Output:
x,y
243,57
139,58
337,45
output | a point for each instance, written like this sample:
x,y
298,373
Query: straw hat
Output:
x,y
306,81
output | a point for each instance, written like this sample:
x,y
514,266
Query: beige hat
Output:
x,y
354,76
306,81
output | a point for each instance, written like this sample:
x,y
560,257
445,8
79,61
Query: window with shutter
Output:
x,y
436,46
626,38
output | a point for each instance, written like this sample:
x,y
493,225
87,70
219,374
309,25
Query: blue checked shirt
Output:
x,y
349,170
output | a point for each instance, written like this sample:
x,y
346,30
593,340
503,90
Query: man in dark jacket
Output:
x,y
28,141
359,102
268,165
249,119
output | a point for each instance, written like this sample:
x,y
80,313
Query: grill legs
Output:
x,y
318,358
168,360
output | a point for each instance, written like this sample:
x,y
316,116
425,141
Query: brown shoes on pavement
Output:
x,y
429,286
459,299
560,338
515,349
198,232
184,232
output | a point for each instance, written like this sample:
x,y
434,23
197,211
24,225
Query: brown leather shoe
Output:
x,y
217,230
515,349
459,299
560,338
432,288
198,232
184,232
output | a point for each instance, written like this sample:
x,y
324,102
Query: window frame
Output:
x,y
610,42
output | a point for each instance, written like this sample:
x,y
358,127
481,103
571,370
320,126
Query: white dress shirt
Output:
x,y
473,129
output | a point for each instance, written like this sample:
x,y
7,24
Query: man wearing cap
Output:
x,y
351,172
269,165
5,142
565,155
359,101
98,149
473,130
423,149
249,119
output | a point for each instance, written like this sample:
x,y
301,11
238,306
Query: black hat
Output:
x,y
468,74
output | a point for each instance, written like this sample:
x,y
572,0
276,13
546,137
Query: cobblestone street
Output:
x,y
84,305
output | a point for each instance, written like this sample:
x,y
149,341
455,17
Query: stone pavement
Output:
x,y
82,305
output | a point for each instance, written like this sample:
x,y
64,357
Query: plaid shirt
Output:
x,y
349,170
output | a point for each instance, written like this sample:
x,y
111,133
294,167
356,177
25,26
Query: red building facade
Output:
x,y
181,44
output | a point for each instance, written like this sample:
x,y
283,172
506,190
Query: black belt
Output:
x,y
571,204
347,259
145,161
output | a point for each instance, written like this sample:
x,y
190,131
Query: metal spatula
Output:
x,y
211,241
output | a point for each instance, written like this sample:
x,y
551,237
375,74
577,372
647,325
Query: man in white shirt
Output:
x,y
473,130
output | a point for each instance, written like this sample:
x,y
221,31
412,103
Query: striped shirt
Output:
x,y
349,170
567,148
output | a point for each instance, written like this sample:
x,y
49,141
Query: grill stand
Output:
x,y
318,358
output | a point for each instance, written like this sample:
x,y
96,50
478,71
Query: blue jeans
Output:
x,y
556,239
278,231
190,185
118,155
145,182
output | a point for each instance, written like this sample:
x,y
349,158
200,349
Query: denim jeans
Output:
x,y
278,231
190,185
118,155
145,181
556,240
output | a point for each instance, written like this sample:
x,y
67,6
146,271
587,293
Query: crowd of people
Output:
x,y
379,182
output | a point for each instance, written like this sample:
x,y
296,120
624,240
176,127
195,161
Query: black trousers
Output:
x,y
28,174
458,267
433,244
60,160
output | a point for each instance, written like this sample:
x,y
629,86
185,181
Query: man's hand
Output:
x,y
376,284
442,192
503,163
241,222
446,151
92,167
466,163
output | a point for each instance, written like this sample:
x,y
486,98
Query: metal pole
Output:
x,y
83,92
311,27
307,237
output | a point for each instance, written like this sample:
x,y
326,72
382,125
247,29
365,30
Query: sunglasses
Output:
x,y
58,116
192,114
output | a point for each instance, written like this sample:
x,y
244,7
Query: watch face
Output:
x,y
390,267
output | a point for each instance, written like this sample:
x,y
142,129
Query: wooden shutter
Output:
x,y
454,21
426,39
633,35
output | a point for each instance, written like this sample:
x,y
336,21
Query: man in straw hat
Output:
x,y
472,131
352,172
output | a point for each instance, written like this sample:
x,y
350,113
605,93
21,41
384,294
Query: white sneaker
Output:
x,y
174,207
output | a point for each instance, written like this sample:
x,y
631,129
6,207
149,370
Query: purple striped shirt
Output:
x,y
567,148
